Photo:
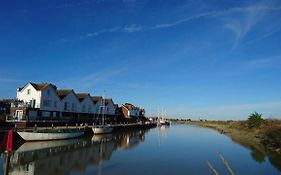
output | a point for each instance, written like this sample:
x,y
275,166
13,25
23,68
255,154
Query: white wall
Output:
x,y
50,101
98,107
70,99
110,109
33,95
87,106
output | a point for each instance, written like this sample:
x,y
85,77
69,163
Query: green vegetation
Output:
x,y
255,120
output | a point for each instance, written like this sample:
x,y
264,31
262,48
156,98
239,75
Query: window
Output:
x,y
47,103
65,106
28,91
55,104
48,92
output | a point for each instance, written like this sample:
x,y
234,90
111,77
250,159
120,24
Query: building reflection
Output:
x,y
64,156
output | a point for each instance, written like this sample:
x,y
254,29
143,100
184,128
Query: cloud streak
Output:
x,y
85,82
240,30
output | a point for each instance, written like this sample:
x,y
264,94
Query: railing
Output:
x,y
20,105
10,118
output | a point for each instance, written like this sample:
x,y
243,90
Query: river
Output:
x,y
179,149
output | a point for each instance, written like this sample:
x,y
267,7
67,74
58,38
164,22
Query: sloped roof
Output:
x,y
39,87
96,98
63,92
107,101
81,96
129,106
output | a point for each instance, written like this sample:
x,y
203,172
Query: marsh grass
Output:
x,y
225,163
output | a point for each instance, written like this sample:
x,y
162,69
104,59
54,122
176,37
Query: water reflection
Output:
x,y
259,154
180,149
64,156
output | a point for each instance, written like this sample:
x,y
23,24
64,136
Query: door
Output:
x,y
19,114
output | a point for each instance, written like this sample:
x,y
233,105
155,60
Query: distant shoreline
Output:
x,y
265,138
262,141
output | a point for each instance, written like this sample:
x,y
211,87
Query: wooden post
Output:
x,y
7,163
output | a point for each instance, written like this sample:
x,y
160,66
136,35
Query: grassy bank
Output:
x,y
263,141
265,137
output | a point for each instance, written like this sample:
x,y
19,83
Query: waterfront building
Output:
x,y
131,111
45,102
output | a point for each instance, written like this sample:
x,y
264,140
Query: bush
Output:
x,y
255,120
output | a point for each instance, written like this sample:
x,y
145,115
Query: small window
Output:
x,y
65,106
28,91
55,104
48,92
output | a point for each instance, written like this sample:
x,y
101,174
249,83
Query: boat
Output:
x,y
161,121
102,129
50,134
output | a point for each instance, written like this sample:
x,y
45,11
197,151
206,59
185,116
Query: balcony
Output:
x,y
21,104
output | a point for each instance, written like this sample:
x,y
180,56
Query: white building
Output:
x,y
86,103
109,106
36,101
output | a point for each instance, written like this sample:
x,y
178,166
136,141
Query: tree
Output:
x,y
255,120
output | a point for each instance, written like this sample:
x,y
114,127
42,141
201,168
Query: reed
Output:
x,y
226,164
211,168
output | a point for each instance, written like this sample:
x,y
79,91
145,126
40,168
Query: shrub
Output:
x,y
255,120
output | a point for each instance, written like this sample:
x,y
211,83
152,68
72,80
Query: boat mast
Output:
x,y
103,108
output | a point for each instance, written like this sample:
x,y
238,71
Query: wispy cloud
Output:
x,y
132,28
127,29
265,62
240,27
216,13
85,82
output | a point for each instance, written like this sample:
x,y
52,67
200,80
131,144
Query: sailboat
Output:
x,y
162,121
102,129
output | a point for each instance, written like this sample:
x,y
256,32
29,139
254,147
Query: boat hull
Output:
x,y
102,129
33,136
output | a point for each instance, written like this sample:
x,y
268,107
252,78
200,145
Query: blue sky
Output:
x,y
210,59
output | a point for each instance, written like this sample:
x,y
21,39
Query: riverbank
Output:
x,y
267,137
262,141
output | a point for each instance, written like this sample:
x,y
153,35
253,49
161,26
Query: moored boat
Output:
x,y
102,129
163,122
50,134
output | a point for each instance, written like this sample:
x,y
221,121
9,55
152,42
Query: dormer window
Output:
x,y
28,91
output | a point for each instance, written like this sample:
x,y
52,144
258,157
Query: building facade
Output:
x,y
45,101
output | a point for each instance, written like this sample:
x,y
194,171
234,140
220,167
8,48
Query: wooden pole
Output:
x,y
7,163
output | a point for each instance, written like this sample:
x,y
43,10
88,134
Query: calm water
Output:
x,y
180,149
